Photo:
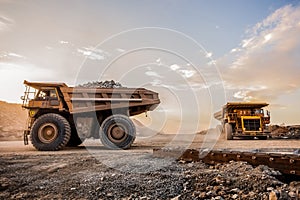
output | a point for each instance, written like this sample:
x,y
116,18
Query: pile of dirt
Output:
x,y
85,177
12,121
101,84
292,132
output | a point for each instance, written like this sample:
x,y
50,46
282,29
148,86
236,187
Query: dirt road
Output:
x,y
93,172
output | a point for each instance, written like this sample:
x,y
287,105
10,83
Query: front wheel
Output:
x,y
228,131
117,132
50,132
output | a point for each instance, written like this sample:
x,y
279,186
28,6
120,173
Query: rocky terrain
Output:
x,y
79,173
82,176
292,132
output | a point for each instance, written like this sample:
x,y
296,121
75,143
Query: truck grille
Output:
x,y
252,124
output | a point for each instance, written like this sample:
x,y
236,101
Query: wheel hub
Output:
x,y
47,133
117,133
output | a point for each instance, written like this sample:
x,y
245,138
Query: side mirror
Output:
x,y
22,98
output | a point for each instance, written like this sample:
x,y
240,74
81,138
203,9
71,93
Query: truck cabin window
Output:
x,y
46,95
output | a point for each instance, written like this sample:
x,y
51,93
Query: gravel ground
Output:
x,y
83,176
292,132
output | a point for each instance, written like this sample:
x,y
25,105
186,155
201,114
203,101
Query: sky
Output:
x,y
197,54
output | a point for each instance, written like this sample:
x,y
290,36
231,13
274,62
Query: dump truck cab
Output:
x,y
43,96
241,119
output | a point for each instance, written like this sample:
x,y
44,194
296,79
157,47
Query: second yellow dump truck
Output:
x,y
244,119
64,116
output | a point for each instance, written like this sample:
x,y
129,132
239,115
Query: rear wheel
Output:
x,y
228,131
117,132
50,132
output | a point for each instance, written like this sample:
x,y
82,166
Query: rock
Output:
x,y
252,194
176,198
283,195
190,164
235,190
209,193
218,198
222,193
273,196
292,194
202,195
109,194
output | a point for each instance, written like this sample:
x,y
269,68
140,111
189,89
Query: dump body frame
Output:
x,y
89,104
246,119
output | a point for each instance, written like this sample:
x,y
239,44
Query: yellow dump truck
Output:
x,y
64,116
240,119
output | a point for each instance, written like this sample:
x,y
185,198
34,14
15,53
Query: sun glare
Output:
x,y
268,37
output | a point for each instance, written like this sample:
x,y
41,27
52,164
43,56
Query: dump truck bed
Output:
x,y
138,100
83,100
244,105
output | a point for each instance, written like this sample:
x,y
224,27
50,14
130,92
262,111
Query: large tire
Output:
x,y
75,140
50,132
117,132
228,131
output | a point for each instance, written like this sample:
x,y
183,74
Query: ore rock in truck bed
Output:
x,y
102,84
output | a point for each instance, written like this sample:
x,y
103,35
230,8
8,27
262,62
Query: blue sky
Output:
x,y
251,46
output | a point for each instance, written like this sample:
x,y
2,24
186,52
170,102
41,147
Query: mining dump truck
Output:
x,y
65,116
240,119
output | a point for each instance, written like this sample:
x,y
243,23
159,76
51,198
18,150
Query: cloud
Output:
x,y
212,62
174,67
242,95
92,53
120,50
187,73
265,65
5,23
208,55
63,42
153,74
15,55
268,37
10,56
184,71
